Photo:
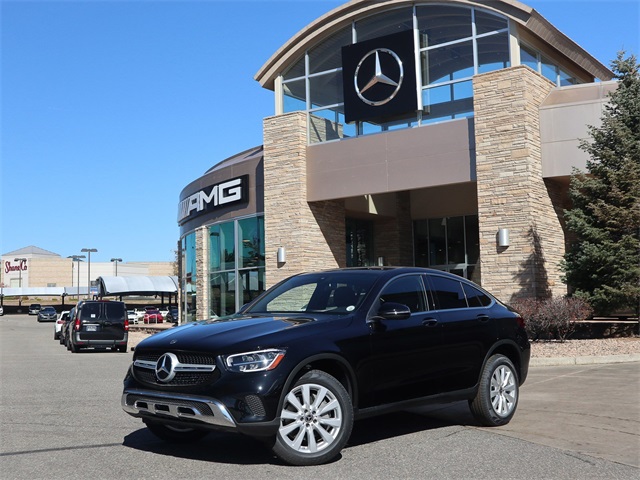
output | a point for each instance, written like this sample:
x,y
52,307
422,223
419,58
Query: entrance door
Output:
x,y
359,242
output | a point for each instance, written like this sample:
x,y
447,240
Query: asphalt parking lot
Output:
x,y
60,417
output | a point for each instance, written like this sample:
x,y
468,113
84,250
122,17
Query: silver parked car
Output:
x,y
47,314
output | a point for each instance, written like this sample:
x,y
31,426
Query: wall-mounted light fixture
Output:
x,y
503,237
282,255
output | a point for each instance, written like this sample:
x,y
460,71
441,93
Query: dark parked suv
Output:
x,y
297,365
98,324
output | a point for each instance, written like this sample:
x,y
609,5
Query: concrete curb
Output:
x,y
589,360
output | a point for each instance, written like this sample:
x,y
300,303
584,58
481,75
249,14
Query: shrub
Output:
x,y
552,318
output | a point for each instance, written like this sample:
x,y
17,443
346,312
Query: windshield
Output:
x,y
330,292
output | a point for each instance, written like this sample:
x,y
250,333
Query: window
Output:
x,y
407,291
451,244
475,297
236,264
546,67
454,42
448,293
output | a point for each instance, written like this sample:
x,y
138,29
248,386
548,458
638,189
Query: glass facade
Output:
x,y
541,64
451,244
236,264
236,267
454,43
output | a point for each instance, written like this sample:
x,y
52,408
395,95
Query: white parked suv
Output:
x,y
57,327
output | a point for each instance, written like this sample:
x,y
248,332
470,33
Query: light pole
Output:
x,y
76,258
89,250
20,260
116,260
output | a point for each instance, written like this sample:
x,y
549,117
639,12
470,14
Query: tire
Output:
x,y
174,434
122,349
315,421
73,348
498,393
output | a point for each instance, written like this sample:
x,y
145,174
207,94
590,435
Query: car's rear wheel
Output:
x,y
315,421
498,392
173,434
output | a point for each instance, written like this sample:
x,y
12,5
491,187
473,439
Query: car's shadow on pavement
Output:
x,y
231,448
411,421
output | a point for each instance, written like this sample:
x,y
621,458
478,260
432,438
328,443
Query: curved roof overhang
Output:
x,y
137,285
338,18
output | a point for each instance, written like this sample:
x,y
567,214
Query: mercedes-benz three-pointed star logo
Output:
x,y
378,77
166,367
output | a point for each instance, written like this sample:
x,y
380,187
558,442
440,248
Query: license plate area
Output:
x,y
92,328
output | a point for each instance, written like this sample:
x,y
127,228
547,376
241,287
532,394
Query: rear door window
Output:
x,y
90,311
115,312
448,293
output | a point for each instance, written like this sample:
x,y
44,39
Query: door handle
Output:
x,y
429,322
483,317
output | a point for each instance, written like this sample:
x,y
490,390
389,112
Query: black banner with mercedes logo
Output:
x,y
379,78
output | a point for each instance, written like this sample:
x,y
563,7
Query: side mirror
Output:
x,y
394,311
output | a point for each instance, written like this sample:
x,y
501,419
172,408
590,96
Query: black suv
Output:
x,y
299,363
98,323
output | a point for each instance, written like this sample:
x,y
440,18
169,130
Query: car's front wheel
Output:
x,y
497,397
173,434
315,421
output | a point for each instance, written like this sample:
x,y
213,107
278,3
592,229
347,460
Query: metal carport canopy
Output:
x,y
137,285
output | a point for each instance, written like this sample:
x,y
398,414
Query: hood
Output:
x,y
226,334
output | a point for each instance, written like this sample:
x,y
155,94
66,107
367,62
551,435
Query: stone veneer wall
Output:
x,y
202,273
313,234
511,191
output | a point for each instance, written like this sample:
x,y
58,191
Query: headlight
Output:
x,y
254,361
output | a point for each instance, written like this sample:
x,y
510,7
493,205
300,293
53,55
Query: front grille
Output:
x,y
180,380
147,374
184,357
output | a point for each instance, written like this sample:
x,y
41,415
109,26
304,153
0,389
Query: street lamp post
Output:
x,y
116,260
76,258
20,260
89,250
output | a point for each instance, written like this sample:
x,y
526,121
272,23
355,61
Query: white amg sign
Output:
x,y
220,194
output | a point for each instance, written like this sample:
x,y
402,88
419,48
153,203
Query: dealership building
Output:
x,y
438,134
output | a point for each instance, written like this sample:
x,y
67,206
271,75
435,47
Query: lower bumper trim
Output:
x,y
195,408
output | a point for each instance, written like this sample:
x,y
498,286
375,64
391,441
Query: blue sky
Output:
x,y
110,108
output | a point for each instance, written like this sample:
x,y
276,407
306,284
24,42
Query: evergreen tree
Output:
x,y
603,264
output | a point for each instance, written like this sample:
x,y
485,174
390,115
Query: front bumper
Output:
x,y
191,408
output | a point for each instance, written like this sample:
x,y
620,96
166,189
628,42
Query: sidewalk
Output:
x,y
587,360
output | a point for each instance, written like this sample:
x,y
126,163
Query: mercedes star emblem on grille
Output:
x,y
166,367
